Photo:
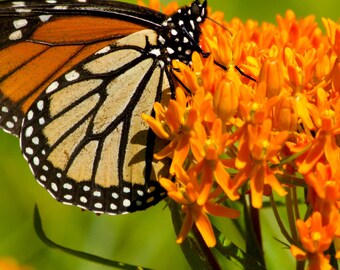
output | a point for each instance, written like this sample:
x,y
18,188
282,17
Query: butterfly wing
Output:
x,y
74,80
84,137
41,41
89,145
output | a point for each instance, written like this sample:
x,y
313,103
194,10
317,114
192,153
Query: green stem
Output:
x,y
300,265
206,250
291,216
333,261
296,204
253,236
254,216
279,221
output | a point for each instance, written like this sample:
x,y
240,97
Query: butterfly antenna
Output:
x,y
219,24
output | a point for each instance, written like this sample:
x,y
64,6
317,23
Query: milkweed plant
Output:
x,y
239,145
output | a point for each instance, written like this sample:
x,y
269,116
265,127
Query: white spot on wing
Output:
x,y
20,23
161,39
53,86
40,105
35,140
156,52
23,10
30,115
192,24
41,121
98,205
9,124
36,161
18,3
67,186
28,131
170,50
15,35
29,151
54,186
104,50
97,194
44,18
60,7
68,197
71,76
174,32
126,203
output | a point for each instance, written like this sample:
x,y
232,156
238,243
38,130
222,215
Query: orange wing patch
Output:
x,y
28,67
83,29
17,55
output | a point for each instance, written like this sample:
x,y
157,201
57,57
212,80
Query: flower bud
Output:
x,y
286,114
271,78
225,100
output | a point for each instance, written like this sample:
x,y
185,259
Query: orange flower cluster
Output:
x,y
226,131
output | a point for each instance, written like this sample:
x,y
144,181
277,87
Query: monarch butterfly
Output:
x,y
75,78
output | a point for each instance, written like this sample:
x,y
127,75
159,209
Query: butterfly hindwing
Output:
x,y
84,137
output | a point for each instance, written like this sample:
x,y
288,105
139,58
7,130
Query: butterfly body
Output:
x,y
75,78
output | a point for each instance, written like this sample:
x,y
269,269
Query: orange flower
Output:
x,y
208,152
324,194
174,124
187,192
286,117
324,143
315,239
225,100
257,147
271,75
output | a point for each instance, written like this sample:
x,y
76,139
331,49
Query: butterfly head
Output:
x,y
180,34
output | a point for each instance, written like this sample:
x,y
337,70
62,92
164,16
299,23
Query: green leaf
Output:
x,y
83,255
234,254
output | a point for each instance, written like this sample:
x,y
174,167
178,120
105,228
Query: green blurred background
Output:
x,y
146,238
